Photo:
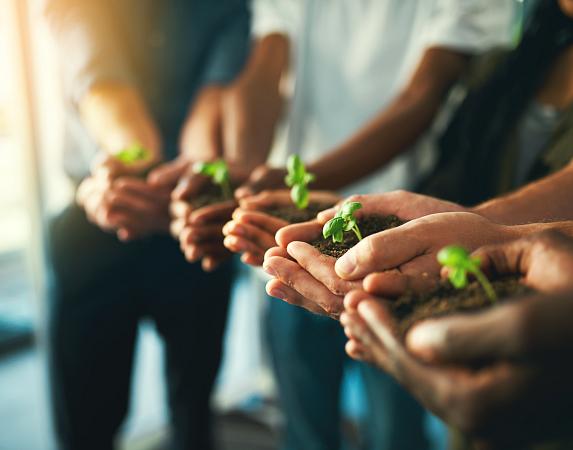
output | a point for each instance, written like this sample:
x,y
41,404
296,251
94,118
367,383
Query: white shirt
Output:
x,y
351,57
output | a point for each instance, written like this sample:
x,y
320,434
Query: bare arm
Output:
x,y
547,200
395,128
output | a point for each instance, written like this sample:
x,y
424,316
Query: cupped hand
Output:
x,y
127,206
263,178
404,257
252,231
402,204
492,403
545,261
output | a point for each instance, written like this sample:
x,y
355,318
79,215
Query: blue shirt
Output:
x,y
168,48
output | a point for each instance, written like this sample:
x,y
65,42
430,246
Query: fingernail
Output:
x,y
238,230
277,293
426,336
270,271
346,264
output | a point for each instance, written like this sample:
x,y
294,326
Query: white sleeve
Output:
x,y
471,25
276,16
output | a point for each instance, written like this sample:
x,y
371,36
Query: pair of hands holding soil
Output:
x,y
502,375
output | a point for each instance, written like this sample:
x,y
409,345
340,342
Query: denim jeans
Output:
x,y
100,290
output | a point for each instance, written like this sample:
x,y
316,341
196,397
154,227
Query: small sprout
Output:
x,y
459,261
298,179
218,172
132,154
344,221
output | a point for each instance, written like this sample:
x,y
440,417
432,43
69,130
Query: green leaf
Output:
x,y
348,209
295,168
338,236
458,278
349,224
132,154
453,256
202,168
299,196
333,226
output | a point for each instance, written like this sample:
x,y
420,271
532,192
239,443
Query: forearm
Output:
x,y
395,128
87,42
269,60
547,200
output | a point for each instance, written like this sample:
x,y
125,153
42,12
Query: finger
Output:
x,y
468,337
140,187
176,227
381,251
321,267
356,351
305,232
125,199
260,238
277,251
194,252
220,213
180,209
380,322
277,289
252,259
239,245
189,186
291,274
353,298
393,283
259,219
262,179
266,199
167,175
211,262
197,235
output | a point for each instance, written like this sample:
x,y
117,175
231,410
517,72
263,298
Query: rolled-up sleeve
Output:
x,y
276,16
87,39
471,25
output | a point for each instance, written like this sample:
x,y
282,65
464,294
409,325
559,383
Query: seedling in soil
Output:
x,y
460,263
344,221
298,180
219,174
132,154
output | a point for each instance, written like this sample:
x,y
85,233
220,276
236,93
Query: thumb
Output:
x,y
467,338
378,252
168,174
189,186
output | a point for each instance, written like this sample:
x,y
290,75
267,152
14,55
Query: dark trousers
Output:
x,y
309,358
101,289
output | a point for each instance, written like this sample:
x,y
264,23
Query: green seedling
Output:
x,y
298,180
219,174
132,154
344,221
460,263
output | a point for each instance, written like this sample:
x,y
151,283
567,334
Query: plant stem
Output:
x,y
226,188
357,232
487,287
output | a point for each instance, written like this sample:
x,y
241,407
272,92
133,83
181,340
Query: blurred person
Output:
x,y
530,133
147,73
368,80
501,375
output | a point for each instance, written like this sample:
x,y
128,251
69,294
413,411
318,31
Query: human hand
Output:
x,y
117,117
125,205
404,258
252,231
199,231
494,402
402,204
545,260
